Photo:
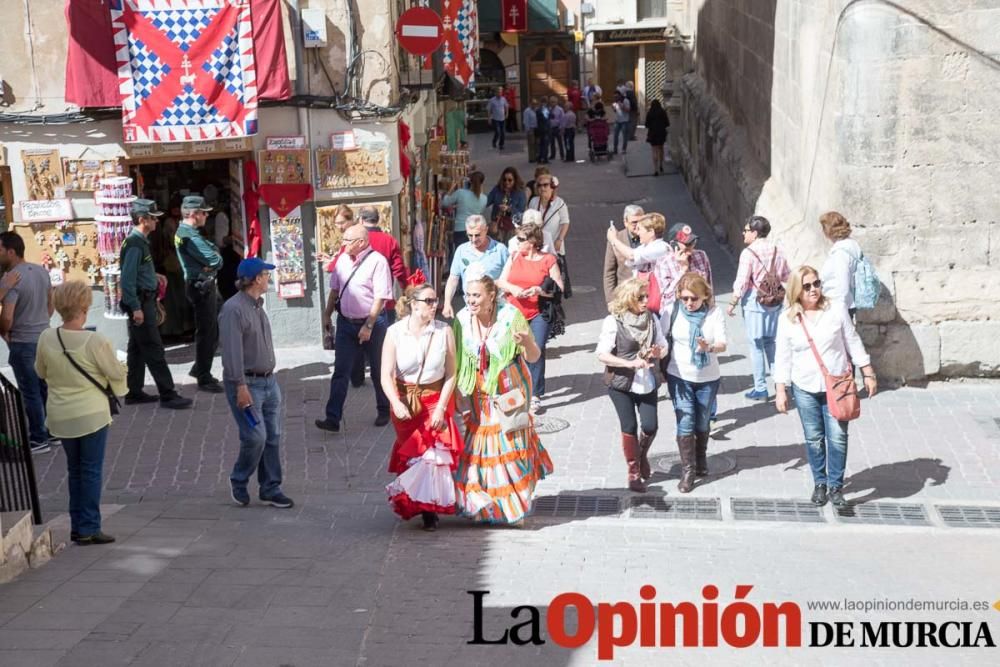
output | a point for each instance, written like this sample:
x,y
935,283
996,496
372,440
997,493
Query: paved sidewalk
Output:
x,y
338,580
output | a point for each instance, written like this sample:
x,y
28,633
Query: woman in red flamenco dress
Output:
x,y
418,377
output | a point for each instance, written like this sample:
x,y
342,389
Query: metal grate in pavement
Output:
x,y
889,514
969,516
768,509
661,507
576,506
546,424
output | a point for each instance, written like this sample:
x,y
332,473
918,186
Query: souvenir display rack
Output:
x,y
114,222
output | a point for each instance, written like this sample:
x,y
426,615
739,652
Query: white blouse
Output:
x,y
713,330
836,339
410,351
644,381
837,273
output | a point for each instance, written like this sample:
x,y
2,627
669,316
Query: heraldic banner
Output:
x,y
461,40
186,69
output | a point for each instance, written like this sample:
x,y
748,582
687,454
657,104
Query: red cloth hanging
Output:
x,y
92,70
285,197
251,202
404,159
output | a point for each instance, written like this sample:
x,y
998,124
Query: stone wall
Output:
x,y
883,111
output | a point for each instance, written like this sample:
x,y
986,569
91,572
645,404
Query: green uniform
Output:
x,y
196,253
138,273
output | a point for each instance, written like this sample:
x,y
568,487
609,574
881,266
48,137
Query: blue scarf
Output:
x,y
695,321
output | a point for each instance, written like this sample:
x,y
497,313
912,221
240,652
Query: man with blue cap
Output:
x,y
139,284
251,386
200,261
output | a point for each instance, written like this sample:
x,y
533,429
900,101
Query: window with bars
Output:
x,y
651,9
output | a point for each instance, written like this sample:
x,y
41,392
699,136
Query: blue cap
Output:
x,y
252,266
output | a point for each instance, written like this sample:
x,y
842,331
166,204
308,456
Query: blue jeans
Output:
x,y
34,391
540,330
348,349
621,129
84,462
826,438
258,445
692,404
498,133
761,358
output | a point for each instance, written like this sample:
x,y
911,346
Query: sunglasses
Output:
x,y
691,299
522,239
430,301
808,286
544,185
643,297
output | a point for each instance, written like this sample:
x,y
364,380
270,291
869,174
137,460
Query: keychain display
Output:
x,y
289,253
114,199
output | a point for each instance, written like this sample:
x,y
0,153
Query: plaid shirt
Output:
x,y
751,272
669,271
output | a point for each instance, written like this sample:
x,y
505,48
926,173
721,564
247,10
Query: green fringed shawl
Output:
x,y
509,320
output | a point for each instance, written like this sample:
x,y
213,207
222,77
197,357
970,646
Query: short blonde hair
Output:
x,y
627,295
795,291
696,283
835,226
654,222
72,298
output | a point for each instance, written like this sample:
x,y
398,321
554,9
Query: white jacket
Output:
x,y
837,273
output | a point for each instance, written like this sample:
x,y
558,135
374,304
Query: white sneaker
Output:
x,y
536,405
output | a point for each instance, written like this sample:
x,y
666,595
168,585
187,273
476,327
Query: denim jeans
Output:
x,y
258,445
348,349
540,330
826,438
621,129
84,462
34,391
498,133
692,404
761,358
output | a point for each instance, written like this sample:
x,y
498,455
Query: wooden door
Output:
x,y
549,71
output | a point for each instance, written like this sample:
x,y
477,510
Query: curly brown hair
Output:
x,y
835,226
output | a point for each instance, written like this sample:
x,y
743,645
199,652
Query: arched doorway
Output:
x,y
549,71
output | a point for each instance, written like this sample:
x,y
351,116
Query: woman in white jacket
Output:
x,y
839,345
837,273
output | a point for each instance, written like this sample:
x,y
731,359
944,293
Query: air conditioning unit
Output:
x,y
313,28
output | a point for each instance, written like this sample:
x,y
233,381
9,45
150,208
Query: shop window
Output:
x,y
651,9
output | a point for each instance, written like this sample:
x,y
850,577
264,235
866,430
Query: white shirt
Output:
x,y
837,273
554,216
713,330
645,256
410,351
836,339
644,380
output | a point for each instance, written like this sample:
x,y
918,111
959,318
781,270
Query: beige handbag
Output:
x,y
512,411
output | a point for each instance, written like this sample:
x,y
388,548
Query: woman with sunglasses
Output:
x,y
418,377
761,263
506,203
811,314
697,336
555,213
523,280
630,346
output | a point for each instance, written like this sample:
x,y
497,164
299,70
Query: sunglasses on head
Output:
x,y
808,286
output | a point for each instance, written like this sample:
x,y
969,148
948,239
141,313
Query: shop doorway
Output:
x,y
220,181
549,71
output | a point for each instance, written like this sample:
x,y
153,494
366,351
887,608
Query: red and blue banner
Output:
x,y
461,40
186,69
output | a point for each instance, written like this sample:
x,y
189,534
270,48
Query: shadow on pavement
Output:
x,y
901,479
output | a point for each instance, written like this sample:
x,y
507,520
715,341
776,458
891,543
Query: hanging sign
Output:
x,y
285,143
420,31
46,210
514,15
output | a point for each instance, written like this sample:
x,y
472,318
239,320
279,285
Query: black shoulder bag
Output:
x,y
113,403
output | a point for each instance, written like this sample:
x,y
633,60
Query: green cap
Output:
x,y
195,203
145,207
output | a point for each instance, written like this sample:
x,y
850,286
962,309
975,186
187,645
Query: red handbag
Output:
x,y
841,392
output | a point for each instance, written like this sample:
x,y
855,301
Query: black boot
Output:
x,y
701,454
630,447
430,521
645,442
819,495
686,446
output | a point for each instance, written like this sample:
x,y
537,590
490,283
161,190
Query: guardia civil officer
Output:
x,y
200,261
139,283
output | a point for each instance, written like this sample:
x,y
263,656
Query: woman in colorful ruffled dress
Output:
x,y
503,457
418,377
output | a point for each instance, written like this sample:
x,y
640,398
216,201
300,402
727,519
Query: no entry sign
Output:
x,y
420,31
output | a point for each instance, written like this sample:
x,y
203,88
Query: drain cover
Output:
x,y
969,516
891,514
546,424
576,506
661,507
767,509
670,462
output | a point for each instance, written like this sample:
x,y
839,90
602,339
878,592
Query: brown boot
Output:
x,y
630,446
686,446
645,442
701,454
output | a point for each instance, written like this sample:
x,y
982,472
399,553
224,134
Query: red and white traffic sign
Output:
x,y
420,31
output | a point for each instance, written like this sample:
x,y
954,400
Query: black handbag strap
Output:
x,y
105,390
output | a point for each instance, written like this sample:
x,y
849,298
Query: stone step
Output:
x,y
23,545
15,531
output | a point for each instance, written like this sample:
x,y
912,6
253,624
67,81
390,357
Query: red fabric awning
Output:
x,y
92,72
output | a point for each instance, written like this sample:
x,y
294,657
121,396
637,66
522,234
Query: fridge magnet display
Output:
x,y
43,174
289,253
281,167
327,233
86,175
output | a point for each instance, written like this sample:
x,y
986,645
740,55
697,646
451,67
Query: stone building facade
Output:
x,y
884,111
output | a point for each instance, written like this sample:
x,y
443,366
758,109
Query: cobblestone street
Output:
x,y
338,580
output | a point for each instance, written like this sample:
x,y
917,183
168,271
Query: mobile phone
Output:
x,y
251,416
611,224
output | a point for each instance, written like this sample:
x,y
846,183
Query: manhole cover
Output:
x,y
767,509
546,424
584,289
663,507
891,514
969,516
576,506
718,464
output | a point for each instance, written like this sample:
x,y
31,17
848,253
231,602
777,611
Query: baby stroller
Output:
x,y
598,132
